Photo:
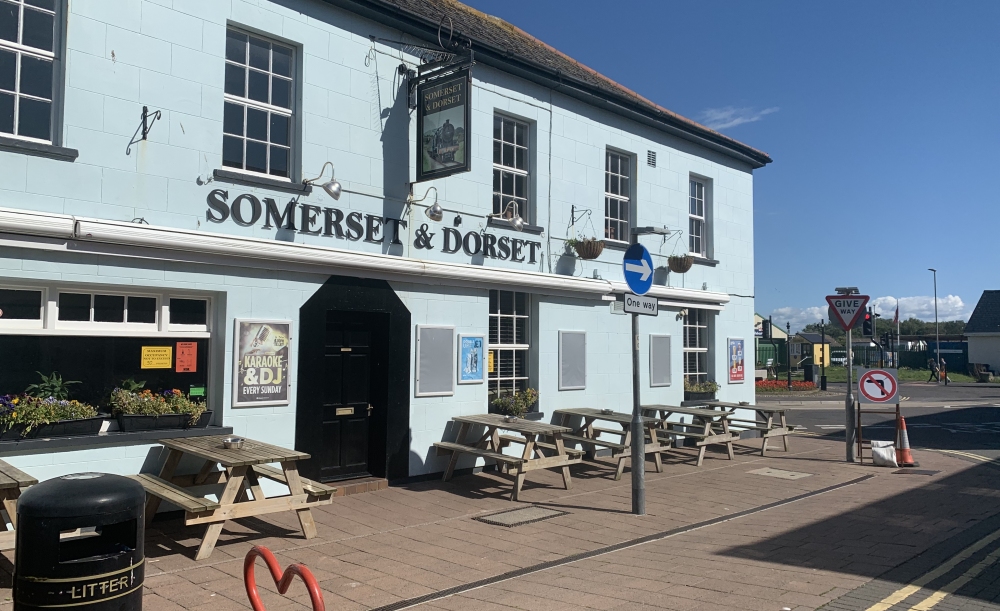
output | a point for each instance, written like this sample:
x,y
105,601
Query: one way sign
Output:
x,y
847,308
637,266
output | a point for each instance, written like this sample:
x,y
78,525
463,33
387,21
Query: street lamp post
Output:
x,y
788,352
822,356
937,328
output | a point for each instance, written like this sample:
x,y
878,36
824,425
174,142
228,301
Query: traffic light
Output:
x,y
867,326
765,329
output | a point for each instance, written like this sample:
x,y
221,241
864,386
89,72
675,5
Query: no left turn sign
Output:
x,y
877,385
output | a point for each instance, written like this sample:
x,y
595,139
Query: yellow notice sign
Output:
x,y
489,362
157,357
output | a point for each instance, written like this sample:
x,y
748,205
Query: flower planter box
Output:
x,y
203,421
68,428
14,432
699,396
129,423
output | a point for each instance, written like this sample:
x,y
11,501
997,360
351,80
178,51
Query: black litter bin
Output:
x,y
80,544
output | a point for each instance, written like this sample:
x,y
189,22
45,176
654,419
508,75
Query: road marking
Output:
x,y
905,592
929,603
830,426
971,455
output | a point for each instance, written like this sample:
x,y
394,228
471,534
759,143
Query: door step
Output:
x,y
347,487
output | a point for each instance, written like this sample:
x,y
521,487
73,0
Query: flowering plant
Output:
x,y
36,411
516,404
782,385
706,386
147,403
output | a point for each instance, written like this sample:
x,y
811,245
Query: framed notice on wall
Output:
x,y
260,369
443,118
737,361
471,359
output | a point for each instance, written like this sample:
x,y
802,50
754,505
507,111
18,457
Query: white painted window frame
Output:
x,y
54,56
624,203
696,186
523,207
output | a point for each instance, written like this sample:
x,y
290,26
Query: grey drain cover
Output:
x,y
915,472
779,473
517,517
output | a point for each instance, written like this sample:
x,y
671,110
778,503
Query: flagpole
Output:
x,y
897,334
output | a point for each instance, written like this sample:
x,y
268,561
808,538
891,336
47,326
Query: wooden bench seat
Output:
x,y
448,447
599,429
162,489
594,442
541,444
311,487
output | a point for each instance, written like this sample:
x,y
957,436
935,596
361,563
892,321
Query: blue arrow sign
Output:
x,y
638,269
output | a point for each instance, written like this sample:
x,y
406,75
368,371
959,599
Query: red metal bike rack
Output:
x,y
281,580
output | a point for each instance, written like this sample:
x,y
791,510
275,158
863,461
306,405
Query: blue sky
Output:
x,y
883,120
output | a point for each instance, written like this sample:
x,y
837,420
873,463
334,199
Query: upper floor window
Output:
x,y
259,90
510,167
697,219
27,57
617,196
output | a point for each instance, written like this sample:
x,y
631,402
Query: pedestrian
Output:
x,y
933,366
944,372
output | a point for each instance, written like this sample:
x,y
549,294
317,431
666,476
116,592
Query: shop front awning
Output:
x,y
79,234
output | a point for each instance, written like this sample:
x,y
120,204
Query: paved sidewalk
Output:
x,y
715,537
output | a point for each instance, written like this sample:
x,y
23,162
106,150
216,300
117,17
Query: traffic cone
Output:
x,y
903,456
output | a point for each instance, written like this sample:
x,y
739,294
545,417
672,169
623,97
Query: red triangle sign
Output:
x,y
847,308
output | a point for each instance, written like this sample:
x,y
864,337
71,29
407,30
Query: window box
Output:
x,y
690,395
130,423
68,428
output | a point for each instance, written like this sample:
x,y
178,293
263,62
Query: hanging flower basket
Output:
x,y
589,248
680,264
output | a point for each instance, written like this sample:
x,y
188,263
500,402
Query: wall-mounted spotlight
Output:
x,y
434,212
515,221
332,187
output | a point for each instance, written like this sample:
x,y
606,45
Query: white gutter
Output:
x,y
320,258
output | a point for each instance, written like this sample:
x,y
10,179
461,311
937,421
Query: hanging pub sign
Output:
x,y
443,118
260,372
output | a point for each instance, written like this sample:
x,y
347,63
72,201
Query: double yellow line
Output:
x,y
975,457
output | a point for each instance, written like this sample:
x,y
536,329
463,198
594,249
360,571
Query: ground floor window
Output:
x,y
510,342
696,346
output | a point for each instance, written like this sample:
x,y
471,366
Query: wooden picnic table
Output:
x,y
708,426
588,435
13,481
241,469
763,422
492,442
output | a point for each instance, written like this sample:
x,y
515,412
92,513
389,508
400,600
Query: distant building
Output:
x,y
983,331
805,348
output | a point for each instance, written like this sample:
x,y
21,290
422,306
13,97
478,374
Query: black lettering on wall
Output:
x,y
449,235
504,246
395,229
284,220
331,222
515,250
354,228
531,250
489,245
309,216
237,209
477,243
373,226
217,201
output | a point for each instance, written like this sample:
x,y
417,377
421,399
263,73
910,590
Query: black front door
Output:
x,y
335,420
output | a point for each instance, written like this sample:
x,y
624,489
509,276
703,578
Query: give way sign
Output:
x,y
847,308
877,385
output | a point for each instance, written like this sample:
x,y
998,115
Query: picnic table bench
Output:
x,y
13,481
707,427
240,471
763,423
492,442
588,435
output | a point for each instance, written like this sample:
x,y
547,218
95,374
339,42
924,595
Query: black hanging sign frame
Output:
x,y
444,117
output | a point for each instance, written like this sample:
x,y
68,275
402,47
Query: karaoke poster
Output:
x,y
261,368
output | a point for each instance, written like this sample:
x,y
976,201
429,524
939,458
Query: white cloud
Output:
x,y
950,307
731,116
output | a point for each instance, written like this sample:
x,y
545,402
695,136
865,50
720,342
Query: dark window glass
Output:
x,y
34,118
8,21
279,129
232,152
109,308
36,77
281,61
506,302
279,161
236,47
521,303
256,156
235,80
6,113
232,122
37,29
281,92
46,4
188,312
142,309
74,306
494,302
257,86
8,69
260,54
256,124
20,305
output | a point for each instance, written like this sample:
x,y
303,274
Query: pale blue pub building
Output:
x,y
170,169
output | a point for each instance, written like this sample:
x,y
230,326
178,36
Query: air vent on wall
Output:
x,y
651,158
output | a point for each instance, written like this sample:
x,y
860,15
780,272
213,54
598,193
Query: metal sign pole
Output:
x,y
849,401
638,434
